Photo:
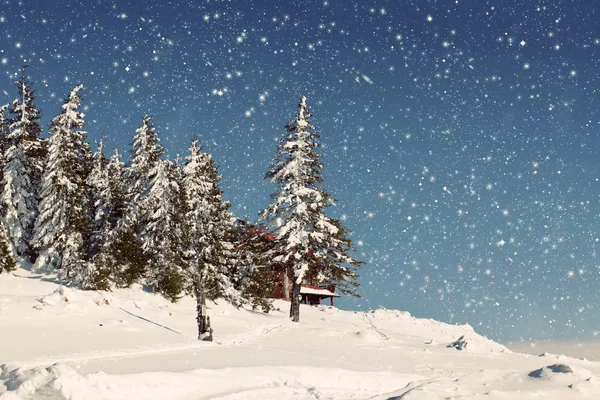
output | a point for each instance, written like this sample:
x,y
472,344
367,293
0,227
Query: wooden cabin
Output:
x,y
312,293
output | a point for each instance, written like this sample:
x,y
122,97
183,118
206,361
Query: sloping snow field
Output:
x,y
59,343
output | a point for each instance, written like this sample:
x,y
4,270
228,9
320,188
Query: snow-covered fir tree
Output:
x,y
126,243
164,235
255,245
4,131
309,244
23,165
7,260
4,125
97,181
120,254
145,158
63,224
116,253
100,208
25,125
4,141
211,235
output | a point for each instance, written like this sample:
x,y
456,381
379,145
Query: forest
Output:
x,y
99,221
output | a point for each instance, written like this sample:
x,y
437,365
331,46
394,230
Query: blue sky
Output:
x,y
460,137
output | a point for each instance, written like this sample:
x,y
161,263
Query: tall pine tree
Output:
x,y
256,272
145,158
4,131
119,254
164,233
309,244
23,165
7,261
127,244
63,224
4,127
97,181
211,235
4,142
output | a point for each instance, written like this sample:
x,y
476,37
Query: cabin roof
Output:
x,y
304,289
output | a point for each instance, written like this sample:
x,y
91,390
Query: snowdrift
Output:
x,y
61,343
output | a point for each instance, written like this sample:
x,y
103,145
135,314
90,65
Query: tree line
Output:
x,y
101,222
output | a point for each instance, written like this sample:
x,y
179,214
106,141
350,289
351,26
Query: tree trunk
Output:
x,y
295,303
204,329
286,284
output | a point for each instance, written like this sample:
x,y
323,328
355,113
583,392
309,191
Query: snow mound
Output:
x,y
558,368
402,324
61,295
369,337
566,375
132,344
37,383
387,314
548,371
63,382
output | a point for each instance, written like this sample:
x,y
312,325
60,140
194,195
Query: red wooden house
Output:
x,y
311,293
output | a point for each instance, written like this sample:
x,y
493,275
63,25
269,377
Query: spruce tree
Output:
x,y
7,261
256,275
4,128
97,182
63,224
26,124
309,244
4,131
211,235
126,244
121,248
145,158
4,142
23,165
164,235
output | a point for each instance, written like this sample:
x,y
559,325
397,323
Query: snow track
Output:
x,y
252,334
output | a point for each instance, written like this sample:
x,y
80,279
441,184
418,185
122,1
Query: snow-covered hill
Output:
x,y
59,343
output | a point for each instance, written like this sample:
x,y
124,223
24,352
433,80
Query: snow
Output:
x,y
58,342
322,292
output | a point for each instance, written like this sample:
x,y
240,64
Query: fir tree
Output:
x,y
123,256
97,181
256,279
4,128
26,126
63,224
309,244
4,132
23,164
121,248
115,249
145,158
101,207
164,234
211,234
4,142
126,242
7,261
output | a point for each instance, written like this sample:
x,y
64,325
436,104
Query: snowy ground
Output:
x,y
588,348
57,343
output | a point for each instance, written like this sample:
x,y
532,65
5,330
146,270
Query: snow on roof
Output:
x,y
317,291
